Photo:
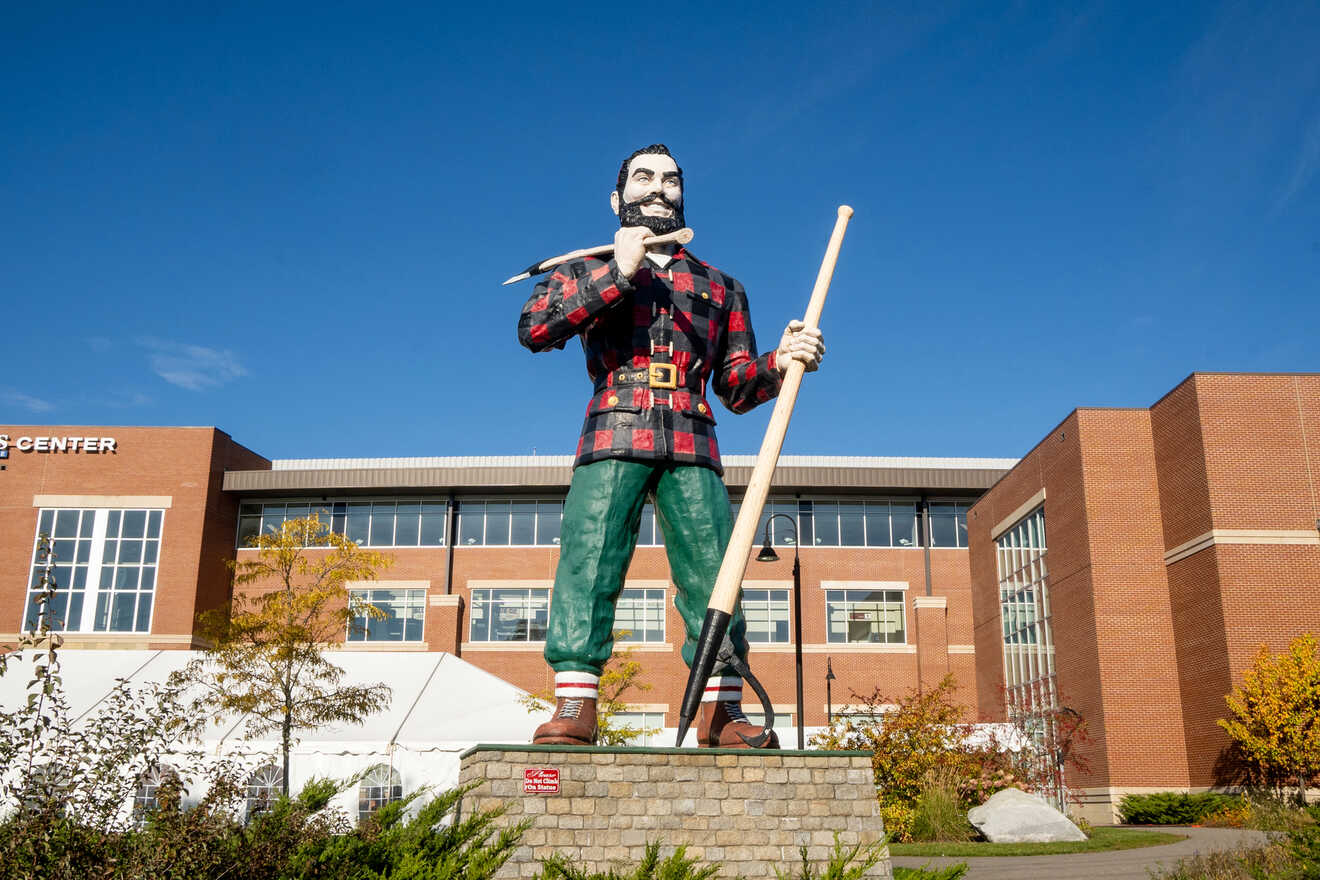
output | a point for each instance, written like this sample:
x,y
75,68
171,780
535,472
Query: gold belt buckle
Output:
x,y
663,376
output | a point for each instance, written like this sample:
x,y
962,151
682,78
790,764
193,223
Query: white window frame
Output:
x,y
652,608
414,598
487,603
92,590
846,606
771,605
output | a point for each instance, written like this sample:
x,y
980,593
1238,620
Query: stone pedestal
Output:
x,y
748,810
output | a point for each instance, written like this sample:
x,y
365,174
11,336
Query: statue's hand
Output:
x,y
629,250
800,343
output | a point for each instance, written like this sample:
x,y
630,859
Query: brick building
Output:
x,y
1131,564
144,520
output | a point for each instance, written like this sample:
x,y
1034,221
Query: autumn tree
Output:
x,y
621,675
1274,717
266,662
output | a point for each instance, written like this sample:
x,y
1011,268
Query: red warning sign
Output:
x,y
540,780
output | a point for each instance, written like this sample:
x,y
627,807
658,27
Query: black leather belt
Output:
x,y
653,376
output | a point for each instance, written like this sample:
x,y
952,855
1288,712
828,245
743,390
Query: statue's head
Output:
x,y
649,191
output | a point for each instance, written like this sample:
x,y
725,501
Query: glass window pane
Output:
x,y
433,523
153,524
149,552
877,524
471,522
382,524
126,579
144,613
497,523
903,521
46,522
359,521
646,531
851,525
523,527
135,524
248,528
121,614
130,551
66,524
112,524
548,519
148,579
407,519
943,526
825,523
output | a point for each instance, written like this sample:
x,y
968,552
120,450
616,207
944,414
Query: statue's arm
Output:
x,y
568,300
743,378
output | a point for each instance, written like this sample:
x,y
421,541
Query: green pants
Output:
x,y
601,517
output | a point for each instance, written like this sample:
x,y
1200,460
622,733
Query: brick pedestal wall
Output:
x,y
748,810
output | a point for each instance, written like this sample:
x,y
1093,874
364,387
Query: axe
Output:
x,y
714,642
682,236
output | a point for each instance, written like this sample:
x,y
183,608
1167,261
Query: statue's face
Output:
x,y
652,194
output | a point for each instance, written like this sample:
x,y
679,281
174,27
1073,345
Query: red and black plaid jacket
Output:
x,y
690,315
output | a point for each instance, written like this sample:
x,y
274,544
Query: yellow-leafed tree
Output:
x,y
1274,717
266,663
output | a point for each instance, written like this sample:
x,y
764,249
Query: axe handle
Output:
x,y
681,236
729,582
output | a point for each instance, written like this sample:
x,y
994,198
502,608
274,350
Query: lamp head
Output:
x,y
767,553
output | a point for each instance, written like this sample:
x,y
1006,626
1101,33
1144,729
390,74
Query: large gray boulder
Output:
x,y
1013,816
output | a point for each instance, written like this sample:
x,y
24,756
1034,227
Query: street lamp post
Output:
x,y
768,554
829,702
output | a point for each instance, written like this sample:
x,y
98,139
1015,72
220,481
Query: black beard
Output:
x,y
630,214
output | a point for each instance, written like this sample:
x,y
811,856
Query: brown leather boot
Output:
x,y
722,721
573,724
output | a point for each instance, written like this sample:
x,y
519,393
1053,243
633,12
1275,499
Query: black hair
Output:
x,y
657,149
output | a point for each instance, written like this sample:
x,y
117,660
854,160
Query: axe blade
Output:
x,y
713,630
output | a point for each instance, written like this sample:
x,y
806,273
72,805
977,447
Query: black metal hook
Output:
x,y
740,666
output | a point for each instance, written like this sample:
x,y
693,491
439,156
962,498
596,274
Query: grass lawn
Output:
x,y
1102,840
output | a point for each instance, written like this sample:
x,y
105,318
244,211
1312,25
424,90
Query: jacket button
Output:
x,y
705,295
701,407
614,399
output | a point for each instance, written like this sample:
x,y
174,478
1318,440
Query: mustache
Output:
x,y
654,197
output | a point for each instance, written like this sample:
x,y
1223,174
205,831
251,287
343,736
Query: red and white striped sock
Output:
x,y
582,685
723,687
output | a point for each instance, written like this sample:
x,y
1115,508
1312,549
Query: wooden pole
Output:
x,y
728,585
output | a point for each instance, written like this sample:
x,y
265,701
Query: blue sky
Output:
x,y
291,221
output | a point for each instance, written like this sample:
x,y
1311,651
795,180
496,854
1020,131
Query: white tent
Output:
x,y
440,706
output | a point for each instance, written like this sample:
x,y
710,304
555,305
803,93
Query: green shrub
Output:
x,y
1270,862
844,862
939,814
952,872
676,867
1174,808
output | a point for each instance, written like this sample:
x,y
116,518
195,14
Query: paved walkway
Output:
x,y
1127,864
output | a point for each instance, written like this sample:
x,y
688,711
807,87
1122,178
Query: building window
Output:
x,y
509,522
948,525
105,562
766,612
402,522
639,615
146,797
842,522
404,610
1024,598
865,616
651,725
380,786
264,788
648,533
509,614
782,719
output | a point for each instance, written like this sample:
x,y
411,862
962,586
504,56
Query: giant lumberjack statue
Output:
x,y
656,324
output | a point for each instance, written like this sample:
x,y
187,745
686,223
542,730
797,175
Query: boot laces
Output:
x,y
571,707
734,710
